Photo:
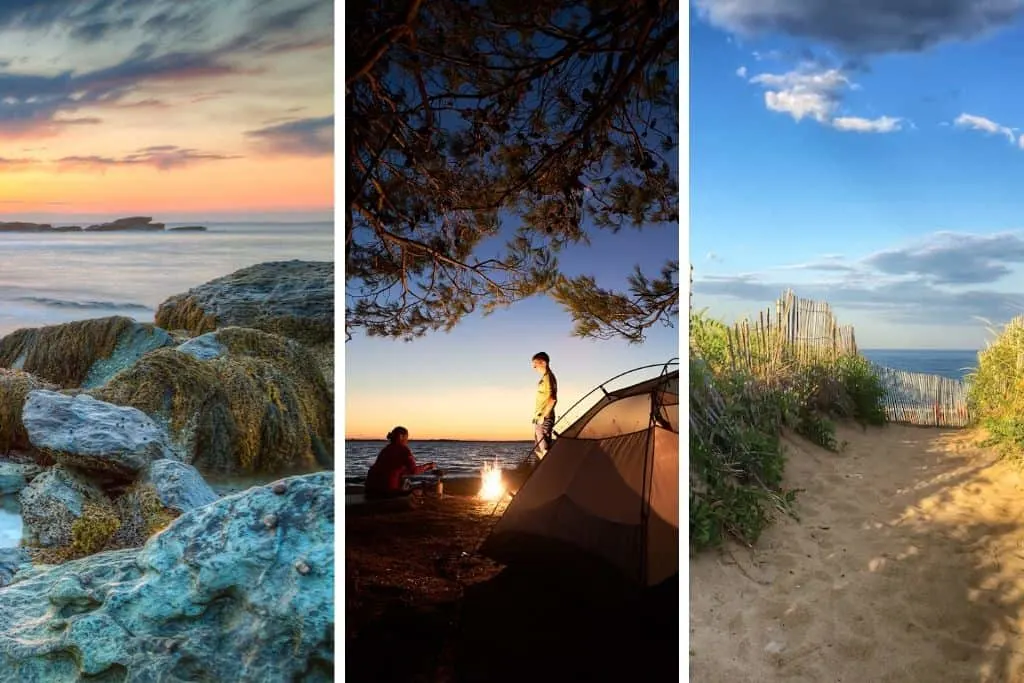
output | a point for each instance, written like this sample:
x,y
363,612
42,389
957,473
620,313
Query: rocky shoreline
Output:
x,y
129,224
108,430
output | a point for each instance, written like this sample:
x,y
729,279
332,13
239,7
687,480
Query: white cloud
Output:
x,y
812,92
883,124
741,72
803,93
984,125
947,276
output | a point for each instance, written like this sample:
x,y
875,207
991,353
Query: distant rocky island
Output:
x,y
130,224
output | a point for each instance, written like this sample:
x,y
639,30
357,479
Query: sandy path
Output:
x,y
907,565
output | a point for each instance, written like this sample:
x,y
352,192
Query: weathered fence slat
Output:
x,y
804,331
925,400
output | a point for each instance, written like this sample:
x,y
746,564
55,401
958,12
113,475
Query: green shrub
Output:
x,y
736,457
864,388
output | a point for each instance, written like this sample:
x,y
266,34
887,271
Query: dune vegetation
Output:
x,y
742,398
996,390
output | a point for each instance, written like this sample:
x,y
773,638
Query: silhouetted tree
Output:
x,y
461,114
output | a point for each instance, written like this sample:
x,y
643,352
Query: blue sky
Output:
x,y
869,154
476,381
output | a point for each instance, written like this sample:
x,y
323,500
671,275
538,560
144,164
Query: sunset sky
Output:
x,y
181,109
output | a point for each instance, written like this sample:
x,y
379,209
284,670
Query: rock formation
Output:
x,y
130,223
291,298
238,590
14,389
92,435
235,401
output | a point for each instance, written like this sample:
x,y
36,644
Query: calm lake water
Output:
x,y
953,363
49,279
456,458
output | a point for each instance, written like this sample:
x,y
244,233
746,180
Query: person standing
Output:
x,y
544,405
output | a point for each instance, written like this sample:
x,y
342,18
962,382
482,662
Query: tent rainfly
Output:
x,y
608,489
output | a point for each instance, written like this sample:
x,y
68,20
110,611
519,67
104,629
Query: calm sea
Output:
x,y
48,279
953,363
456,458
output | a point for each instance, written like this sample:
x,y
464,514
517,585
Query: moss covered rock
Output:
x,y
15,386
54,502
291,298
250,402
84,353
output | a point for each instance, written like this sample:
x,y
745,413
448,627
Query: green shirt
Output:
x,y
547,388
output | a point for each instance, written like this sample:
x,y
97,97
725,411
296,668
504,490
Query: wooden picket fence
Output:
x,y
924,400
798,331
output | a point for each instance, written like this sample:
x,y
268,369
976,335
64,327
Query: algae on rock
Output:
x,y
81,352
15,386
260,406
292,298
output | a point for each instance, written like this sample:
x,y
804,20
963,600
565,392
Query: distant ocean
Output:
x,y
953,363
456,458
49,279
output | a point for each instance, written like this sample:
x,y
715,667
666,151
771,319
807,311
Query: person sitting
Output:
x,y
386,477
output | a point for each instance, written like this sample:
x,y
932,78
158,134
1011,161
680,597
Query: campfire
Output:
x,y
491,485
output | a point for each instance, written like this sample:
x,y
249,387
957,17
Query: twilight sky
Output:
x,y
869,154
182,109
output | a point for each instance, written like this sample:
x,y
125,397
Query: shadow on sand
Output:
x,y
906,565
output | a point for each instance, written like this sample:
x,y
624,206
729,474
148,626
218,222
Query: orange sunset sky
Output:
x,y
180,109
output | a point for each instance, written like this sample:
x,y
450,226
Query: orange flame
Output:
x,y
491,485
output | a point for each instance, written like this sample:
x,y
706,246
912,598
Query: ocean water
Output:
x,y
10,522
48,279
456,458
954,364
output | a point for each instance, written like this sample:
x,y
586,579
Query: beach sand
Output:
x,y
421,606
907,564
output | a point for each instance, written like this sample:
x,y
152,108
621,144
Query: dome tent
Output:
x,y
607,490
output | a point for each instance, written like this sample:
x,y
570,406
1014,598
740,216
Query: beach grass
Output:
x,y
996,390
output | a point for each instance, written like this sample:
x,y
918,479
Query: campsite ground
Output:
x,y
906,564
421,606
